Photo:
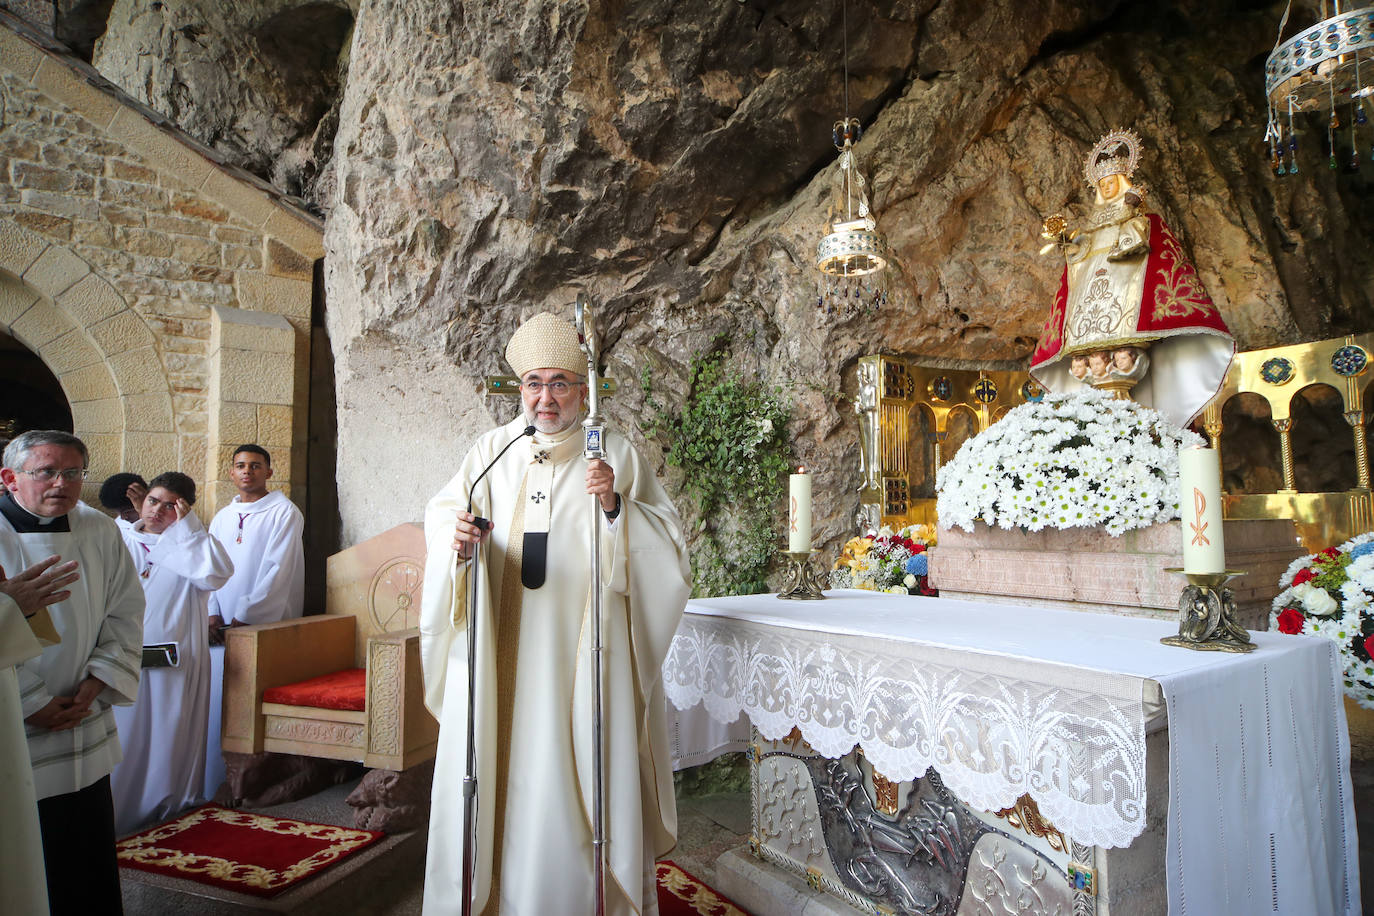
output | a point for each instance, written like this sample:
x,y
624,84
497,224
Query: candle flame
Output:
x,y
801,469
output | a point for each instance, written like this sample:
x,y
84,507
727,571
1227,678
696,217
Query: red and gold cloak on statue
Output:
x,y
1154,301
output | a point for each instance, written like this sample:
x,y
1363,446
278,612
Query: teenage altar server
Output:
x,y
22,886
67,691
180,565
262,531
533,702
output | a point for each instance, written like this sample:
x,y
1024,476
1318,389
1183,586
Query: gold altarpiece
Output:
x,y
1278,374
905,411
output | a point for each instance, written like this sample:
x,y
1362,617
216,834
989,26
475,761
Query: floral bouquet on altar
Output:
x,y
1331,594
1068,461
887,561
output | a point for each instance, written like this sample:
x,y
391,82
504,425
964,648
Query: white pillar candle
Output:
x,y
799,512
1199,477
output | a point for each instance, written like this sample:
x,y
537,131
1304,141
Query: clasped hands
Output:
x,y
40,585
63,713
600,483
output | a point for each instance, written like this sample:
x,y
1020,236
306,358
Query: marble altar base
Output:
x,y
1085,569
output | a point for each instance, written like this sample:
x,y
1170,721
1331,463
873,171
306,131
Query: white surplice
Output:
x,y
23,885
263,539
534,852
163,734
101,626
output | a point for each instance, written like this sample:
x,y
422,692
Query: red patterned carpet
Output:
x,y
681,894
238,851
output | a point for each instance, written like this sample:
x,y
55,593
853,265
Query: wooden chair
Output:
x,y
371,623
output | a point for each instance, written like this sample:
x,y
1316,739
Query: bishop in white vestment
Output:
x,y
533,706
262,531
180,564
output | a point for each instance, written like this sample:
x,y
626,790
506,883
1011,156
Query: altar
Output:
x,y
938,756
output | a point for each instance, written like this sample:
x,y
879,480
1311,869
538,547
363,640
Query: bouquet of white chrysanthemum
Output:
x,y
1068,461
1330,594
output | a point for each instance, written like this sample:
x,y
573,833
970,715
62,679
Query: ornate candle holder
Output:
x,y
802,583
1207,614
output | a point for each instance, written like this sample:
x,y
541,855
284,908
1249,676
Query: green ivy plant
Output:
x,y
730,442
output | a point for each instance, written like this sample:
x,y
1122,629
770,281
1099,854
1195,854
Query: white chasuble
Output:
x,y
263,539
533,711
101,626
163,734
23,885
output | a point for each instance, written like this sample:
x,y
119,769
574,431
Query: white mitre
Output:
x,y
545,341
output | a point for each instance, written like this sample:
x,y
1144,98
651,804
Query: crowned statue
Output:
x,y
1131,316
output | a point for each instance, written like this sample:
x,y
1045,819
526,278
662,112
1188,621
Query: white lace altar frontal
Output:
x,y
1005,700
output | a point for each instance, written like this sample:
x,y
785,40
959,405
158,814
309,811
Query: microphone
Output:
x,y
482,522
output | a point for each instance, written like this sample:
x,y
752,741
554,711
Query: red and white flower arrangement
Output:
x,y
1331,594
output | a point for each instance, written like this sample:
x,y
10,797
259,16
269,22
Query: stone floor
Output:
x,y
387,879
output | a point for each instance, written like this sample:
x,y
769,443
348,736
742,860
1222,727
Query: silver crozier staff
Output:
x,y
586,339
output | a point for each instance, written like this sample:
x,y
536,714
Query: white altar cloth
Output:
x,y
1006,700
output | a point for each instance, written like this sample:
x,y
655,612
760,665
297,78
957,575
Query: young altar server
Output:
x,y
67,691
262,531
22,885
179,564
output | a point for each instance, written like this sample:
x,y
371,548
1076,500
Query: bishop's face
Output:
x,y
552,398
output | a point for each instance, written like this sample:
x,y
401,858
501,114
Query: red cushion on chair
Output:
x,y
340,690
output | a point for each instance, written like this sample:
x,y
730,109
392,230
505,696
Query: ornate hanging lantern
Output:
x,y
853,255
1329,68
854,247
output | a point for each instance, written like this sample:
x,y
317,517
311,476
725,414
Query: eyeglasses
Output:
x,y
48,475
557,389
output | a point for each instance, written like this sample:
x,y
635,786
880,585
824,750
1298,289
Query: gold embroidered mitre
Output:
x,y
545,342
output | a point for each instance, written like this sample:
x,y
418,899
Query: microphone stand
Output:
x,y
594,432
470,773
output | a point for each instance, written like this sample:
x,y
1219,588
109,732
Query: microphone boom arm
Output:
x,y
470,770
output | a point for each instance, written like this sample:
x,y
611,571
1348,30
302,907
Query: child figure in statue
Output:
x,y
1127,286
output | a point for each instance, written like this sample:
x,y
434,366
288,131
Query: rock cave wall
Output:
x,y
674,160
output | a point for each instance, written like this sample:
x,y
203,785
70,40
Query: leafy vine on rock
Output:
x,y
730,441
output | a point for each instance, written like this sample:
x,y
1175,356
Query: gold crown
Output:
x,y
1105,158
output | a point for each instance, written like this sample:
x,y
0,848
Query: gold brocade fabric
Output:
x,y
1106,293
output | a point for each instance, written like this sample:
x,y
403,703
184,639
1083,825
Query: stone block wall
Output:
x,y
169,294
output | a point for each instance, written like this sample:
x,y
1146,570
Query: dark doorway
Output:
x,y
30,395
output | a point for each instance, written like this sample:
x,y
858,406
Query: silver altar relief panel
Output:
x,y
906,848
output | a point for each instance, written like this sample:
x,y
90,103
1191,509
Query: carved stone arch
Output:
x,y
101,351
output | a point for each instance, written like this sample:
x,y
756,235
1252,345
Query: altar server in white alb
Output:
x,y
67,691
533,704
22,885
262,531
180,565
